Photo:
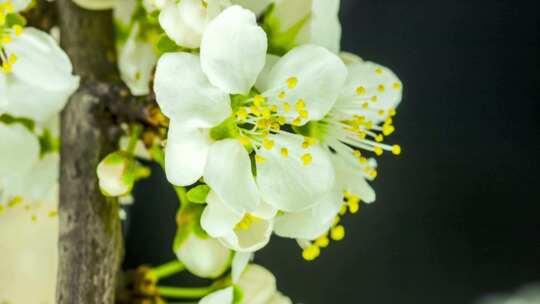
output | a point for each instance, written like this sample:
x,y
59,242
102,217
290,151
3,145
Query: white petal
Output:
x,y
311,223
28,265
349,177
285,182
176,28
239,263
258,285
18,5
19,150
3,93
217,219
228,173
263,75
205,258
279,298
222,296
185,154
350,58
289,13
256,6
38,184
255,237
197,16
371,76
185,95
42,69
233,50
136,61
323,27
320,75
265,211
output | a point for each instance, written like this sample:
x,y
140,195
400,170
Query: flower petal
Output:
x,y
263,75
228,173
185,95
258,285
222,296
256,6
19,150
323,27
350,177
136,61
185,154
233,50
377,82
42,69
320,76
311,223
286,182
239,263
255,237
175,27
205,258
217,219
3,93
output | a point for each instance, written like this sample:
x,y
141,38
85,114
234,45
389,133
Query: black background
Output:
x,y
457,215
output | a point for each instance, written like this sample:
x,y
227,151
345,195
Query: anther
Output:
x,y
292,82
307,159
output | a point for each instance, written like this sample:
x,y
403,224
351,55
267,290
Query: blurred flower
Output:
x,y
33,65
527,295
293,23
256,285
29,255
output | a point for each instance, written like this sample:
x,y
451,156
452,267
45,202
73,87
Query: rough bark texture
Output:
x,y
90,245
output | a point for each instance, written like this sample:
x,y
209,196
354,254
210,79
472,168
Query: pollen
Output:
x,y
6,39
388,129
381,88
354,206
379,138
286,107
268,144
52,213
308,141
378,151
303,113
244,140
284,152
322,241
396,149
378,71
360,91
258,100
292,82
300,105
282,95
311,253
242,114
392,112
374,98
306,159
297,121
17,29
259,159
246,222
396,85
337,233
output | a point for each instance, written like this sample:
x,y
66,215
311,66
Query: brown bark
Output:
x,y
90,241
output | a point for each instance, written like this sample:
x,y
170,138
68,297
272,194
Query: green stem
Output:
x,y
182,195
168,269
183,292
133,138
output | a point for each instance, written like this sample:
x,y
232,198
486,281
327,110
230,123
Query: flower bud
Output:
x,y
116,173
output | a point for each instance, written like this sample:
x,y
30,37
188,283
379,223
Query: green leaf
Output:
x,y
198,194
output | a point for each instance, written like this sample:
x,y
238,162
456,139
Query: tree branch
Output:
x,y
90,244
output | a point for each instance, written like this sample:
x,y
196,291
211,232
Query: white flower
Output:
x,y
25,176
257,286
185,21
33,65
300,22
256,6
204,257
136,61
29,254
194,92
15,6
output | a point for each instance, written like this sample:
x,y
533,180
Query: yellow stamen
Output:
x,y
259,159
337,233
284,152
360,91
396,149
307,159
311,253
292,82
268,144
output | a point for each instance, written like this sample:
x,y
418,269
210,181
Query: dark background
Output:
x,y
458,213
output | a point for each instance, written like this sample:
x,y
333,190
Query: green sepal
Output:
x,y
48,143
15,19
188,219
311,129
8,119
198,194
238,294
226,129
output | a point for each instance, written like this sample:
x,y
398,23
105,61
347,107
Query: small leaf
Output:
x,y
198,194
15,19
